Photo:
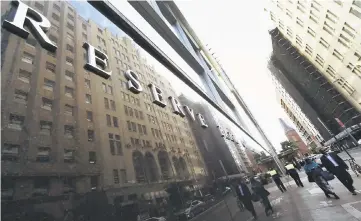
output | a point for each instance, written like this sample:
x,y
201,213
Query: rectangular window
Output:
x,y
69,156
87,83
45,127
110,89
50,67
31,42
92,157
116,176
70,48
109,120
56,7
70,17
134,127
69,75
104,86
43,154
24,76
289,32
16,122
140,129
55,17
88,99
324,43
320,60
48,84
126,110
115,122
69,110
141,116
69,61
112,105
123,175
89,116
331,71
47,104
299,22
311,32
39,6
69,92
129,125
91,135
70,26
106,103
28,58
68,131
338,55
308,50
20,96
10,152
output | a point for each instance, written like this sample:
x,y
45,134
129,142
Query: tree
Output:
x,y
288,145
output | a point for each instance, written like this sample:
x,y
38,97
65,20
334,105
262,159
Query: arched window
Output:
x,y
164,165
177,167
183,167
151,168
138,163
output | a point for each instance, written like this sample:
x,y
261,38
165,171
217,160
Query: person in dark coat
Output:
x,y
259,190
335,165
245,196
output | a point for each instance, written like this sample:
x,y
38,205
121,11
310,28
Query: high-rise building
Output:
x,y
294,137
316,46
66,129
304,126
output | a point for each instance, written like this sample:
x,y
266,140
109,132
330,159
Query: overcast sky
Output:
x,y
238,34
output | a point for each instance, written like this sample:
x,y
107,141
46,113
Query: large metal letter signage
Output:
x,y
176,106
202,121
157,95
36,22
97,61
190,112
133,83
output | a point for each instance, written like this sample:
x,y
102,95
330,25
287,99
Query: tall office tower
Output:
x,y
304,126
66,129
317,47
293,136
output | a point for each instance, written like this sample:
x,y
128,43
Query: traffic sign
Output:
x,y
340,122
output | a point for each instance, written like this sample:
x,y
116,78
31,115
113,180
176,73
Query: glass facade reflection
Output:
x,y
77,145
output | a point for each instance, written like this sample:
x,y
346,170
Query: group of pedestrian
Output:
x,y
247,198
335,166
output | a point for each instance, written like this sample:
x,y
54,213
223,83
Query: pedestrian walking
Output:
x,y
292,172
335,165
277,179
245,196
259,190
313,171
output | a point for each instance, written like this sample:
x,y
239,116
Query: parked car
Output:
x,y
194,208
155,219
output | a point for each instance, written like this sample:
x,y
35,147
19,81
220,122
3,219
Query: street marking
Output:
x,y
314,191
352,210
277,201
326,203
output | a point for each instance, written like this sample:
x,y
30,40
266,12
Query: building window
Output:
x,y
92,157
48,84
41,186
56,7
69,75
338,2
10,152
311,32
324,43
70,17
28,58
106,103
104,86
331,71
69,92
43,154
70,26
31,42
116,176
50,67
89,116
53,38
69,110
319,60
16,122
123,175
84,26
87,83
69,61
110,89
39,6
20,96
93,182
69,156
47,104
115,122
68,131
109,120
309,50
129,125
338,55
112,105
88,99
91,135
24,76
55,17
69,47
45,127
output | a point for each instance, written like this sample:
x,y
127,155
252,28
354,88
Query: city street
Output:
x,y
299,204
